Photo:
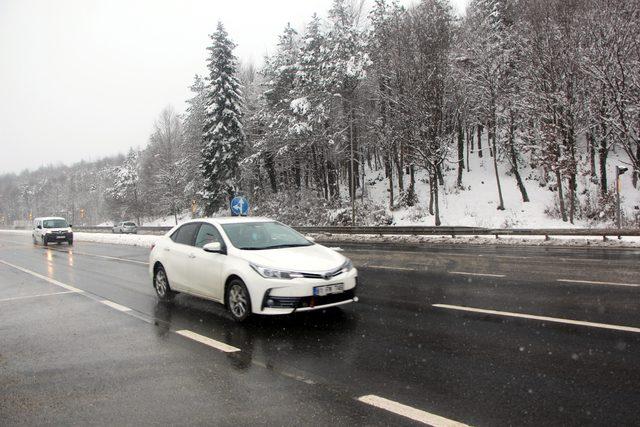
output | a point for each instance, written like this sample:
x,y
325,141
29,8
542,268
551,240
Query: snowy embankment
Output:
x,y
143,240
576,241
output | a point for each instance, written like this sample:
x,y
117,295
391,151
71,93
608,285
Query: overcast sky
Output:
x,y
83,79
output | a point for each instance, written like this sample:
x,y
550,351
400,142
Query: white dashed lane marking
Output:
x,y
115,305
218,345
409,412
386,267
464,273
541,318
593,282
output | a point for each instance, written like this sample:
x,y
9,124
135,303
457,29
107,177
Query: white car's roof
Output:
x,y
234,219
43,218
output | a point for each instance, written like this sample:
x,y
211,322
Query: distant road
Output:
x,y
479,335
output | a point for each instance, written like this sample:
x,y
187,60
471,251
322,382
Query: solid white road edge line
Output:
x,y
476,274
593,282
408,411
45,278
115,305
36,296
543,318
207,341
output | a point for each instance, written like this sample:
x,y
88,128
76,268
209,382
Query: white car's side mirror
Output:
x,y
309,238
214,247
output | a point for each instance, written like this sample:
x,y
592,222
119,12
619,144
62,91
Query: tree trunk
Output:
x,y
479,133
491,136
572,197
432,180
514,163
563,211
388,167
332,178
440,176
469,147
296,174
412,184
437,205
636,171
603,152
363,177
271,171
591,145
573,184
399,166
460,154
495,168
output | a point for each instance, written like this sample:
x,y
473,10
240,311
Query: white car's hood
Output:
x,y
314,258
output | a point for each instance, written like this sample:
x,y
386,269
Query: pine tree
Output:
x,y
223,135
193,125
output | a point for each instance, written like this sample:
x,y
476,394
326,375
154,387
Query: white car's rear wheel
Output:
x,y
238,300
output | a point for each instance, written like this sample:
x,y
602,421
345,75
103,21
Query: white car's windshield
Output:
x,y
263,235
54,223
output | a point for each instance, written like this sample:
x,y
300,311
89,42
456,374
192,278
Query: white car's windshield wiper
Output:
x,y
289,245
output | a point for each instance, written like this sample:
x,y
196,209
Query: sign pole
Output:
x,y
619,171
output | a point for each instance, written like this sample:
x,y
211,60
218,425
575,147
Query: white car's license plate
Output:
x,y
328,289
60,237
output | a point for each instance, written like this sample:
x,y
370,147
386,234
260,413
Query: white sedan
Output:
x,y
251,265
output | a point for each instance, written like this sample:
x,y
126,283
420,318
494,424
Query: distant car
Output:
x,y
127,227
51,230
251,265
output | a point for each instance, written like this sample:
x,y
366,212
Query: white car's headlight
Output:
x,y
347,266
272,273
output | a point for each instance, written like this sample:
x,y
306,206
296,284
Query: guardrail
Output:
x,y
428,231
424,231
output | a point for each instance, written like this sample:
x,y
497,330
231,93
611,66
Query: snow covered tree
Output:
x,y
343,70
124,197
223,135
428,104
192,129
164,166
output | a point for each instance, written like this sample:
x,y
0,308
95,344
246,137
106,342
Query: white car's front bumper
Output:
x,y
269,296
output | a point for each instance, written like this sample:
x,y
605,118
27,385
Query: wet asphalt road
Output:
x,y
67,358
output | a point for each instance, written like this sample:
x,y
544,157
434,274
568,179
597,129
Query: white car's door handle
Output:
x,y
192,256
167,249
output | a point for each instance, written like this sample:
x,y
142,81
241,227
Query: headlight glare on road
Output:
x,y
272,273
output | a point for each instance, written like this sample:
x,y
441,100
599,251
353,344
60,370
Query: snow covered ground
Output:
x,y
476,205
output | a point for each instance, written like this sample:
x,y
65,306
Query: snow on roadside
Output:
x,y
142,240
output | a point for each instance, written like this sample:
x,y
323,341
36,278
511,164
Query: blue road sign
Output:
x,y
239,206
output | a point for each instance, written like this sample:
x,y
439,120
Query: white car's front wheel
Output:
x,y
238,300
161,285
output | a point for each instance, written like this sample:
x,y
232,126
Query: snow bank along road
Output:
x,y
442,335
